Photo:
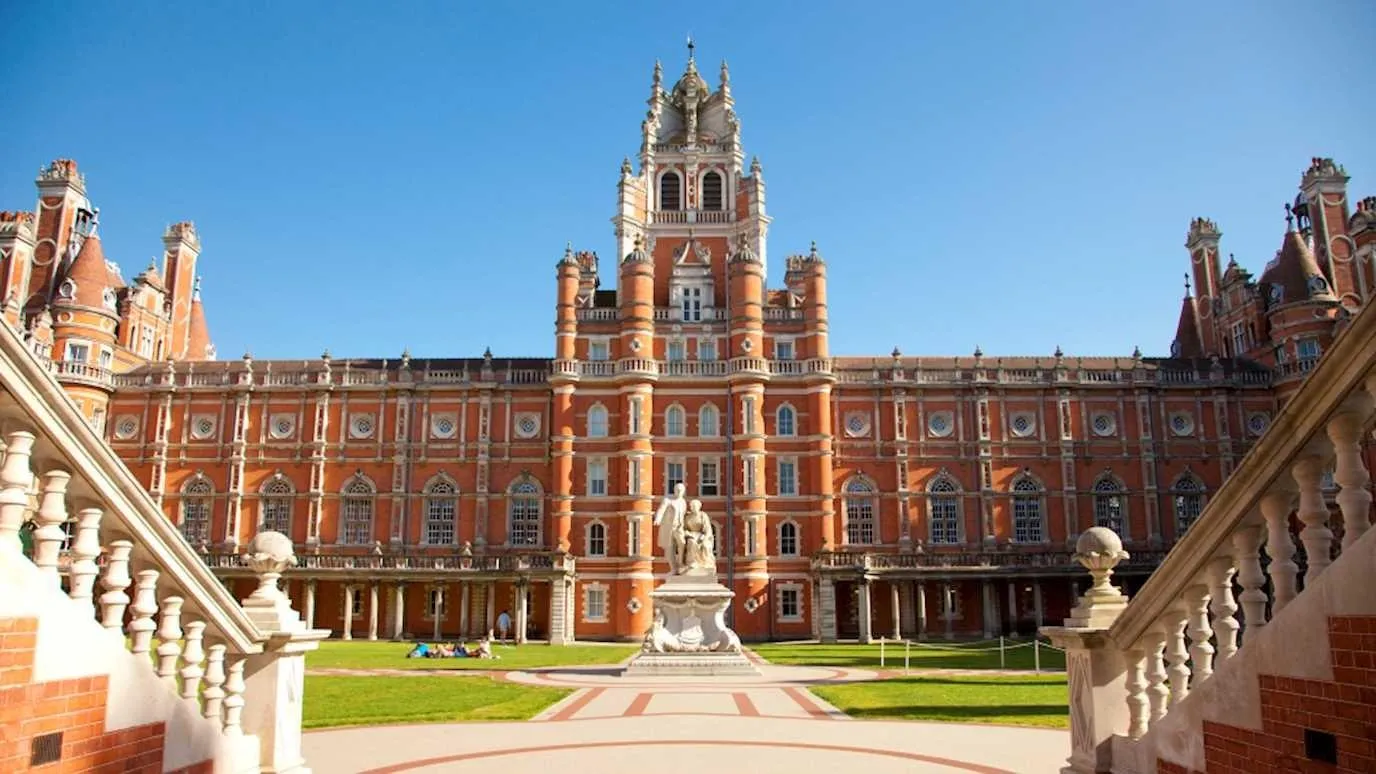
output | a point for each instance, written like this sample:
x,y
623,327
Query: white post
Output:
x,y
275,678
864,614
881,652
896,601
907,655
310,604
1003,658
1095,668
372,610
1036,654
522,612
398,610
348,633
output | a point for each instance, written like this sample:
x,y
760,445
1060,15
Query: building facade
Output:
x,y
854,497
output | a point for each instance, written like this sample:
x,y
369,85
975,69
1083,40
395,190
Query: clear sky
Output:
x,y
368,177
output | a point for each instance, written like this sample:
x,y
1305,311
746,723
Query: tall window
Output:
x,y
634,412
860,507
783,349
707,349
1241,339
943,511
1307,349
523,509
711,191
146,341
788,476
597,539
676,351
1108,504
358,512
597,422
750,474
709,480
671,191
709,421
598,350
633,482
595,602
597,477
790,603
1027,511
692,304
441,509
748,414
78,352
787,421
277,496
675,421
788,539
1188,494
197,497
673,474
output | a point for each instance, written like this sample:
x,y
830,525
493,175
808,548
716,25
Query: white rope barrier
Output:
x,y
1002,647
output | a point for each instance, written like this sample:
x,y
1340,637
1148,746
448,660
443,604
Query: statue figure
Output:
x,y
669,519
699,555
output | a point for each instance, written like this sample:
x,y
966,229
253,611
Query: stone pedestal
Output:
x,y
689,636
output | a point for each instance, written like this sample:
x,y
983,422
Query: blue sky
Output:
x,y
368,177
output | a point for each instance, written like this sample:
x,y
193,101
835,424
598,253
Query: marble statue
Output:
x,y
669,519
698,540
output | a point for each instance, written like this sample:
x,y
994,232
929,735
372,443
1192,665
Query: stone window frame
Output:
x,y
437,497
795,587
596,525
588,589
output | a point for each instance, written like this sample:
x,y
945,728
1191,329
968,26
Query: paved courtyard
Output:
x,y
765,724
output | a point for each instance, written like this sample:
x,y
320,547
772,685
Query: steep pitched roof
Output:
x,y
91,275
198,346
1296,273
1188,343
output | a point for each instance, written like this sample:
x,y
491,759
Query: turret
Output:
x,y
85,311
1202,242
1187,342
816,344
566,314
745,277
182,246
64,217
1322,214
17,242
636,295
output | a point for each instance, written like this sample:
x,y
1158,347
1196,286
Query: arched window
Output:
x,y
358,512
523,513
1027,511
674,421
597,421
441,512
788,539
197,497
276,503
786,421
709,421
1188,495
671,191
1109,503
860,512
597,539
943,511
712,198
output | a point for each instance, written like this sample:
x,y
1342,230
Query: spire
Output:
x,y
90,277
1295,274
198,346
1188,343
692,64
755,168
1289,218
725,88
658,82
1187,285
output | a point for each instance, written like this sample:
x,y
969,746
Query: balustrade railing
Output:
x,y
1213,592
128,565
943,559
409,561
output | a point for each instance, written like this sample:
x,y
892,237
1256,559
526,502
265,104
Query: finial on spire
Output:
x,y
725,74
626,170
1187,285
691,46
659,73
755,168
1289,218
196,289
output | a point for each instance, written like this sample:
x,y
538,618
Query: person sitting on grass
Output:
x,y
485,648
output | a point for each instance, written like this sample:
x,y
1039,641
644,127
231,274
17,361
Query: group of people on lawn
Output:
x,y
461,649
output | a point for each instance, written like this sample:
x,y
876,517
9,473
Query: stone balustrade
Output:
x,y
1131,664
96,534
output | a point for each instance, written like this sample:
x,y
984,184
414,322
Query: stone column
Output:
x,y
372,610
491,608
1012,629
865,614
990,612
560,633
398,611
826,595
274,679
921,610
895,602
464,629
947,609
438,612
310,603
348,612
521,612
1095,668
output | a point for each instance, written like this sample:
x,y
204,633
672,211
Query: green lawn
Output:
x,y
930,655
1038,700
355,701
356,654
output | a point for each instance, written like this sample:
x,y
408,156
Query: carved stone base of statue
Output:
x,y
689,635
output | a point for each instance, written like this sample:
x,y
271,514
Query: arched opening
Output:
x,y
712,193
671,191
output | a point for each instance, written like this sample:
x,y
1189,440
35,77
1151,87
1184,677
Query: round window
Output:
x,y
1182,424
1103,424
1257,423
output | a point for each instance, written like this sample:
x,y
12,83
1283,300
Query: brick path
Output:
x,y
612,724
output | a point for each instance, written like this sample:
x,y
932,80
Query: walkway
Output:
x,y
765,724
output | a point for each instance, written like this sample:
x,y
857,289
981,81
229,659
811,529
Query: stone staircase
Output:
x,y
119,650
1223,662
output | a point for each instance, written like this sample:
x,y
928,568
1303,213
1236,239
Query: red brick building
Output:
x,y
854,496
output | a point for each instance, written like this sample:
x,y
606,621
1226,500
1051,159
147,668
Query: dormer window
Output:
x,y
692,304
712,198
671,191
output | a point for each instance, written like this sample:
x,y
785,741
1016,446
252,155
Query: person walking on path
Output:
x,y
504,625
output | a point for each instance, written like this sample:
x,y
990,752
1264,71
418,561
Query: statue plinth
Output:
x,y
689,635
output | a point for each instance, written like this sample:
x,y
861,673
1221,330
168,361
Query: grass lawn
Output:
x,y
356,654
1038,700
929,655
357,701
